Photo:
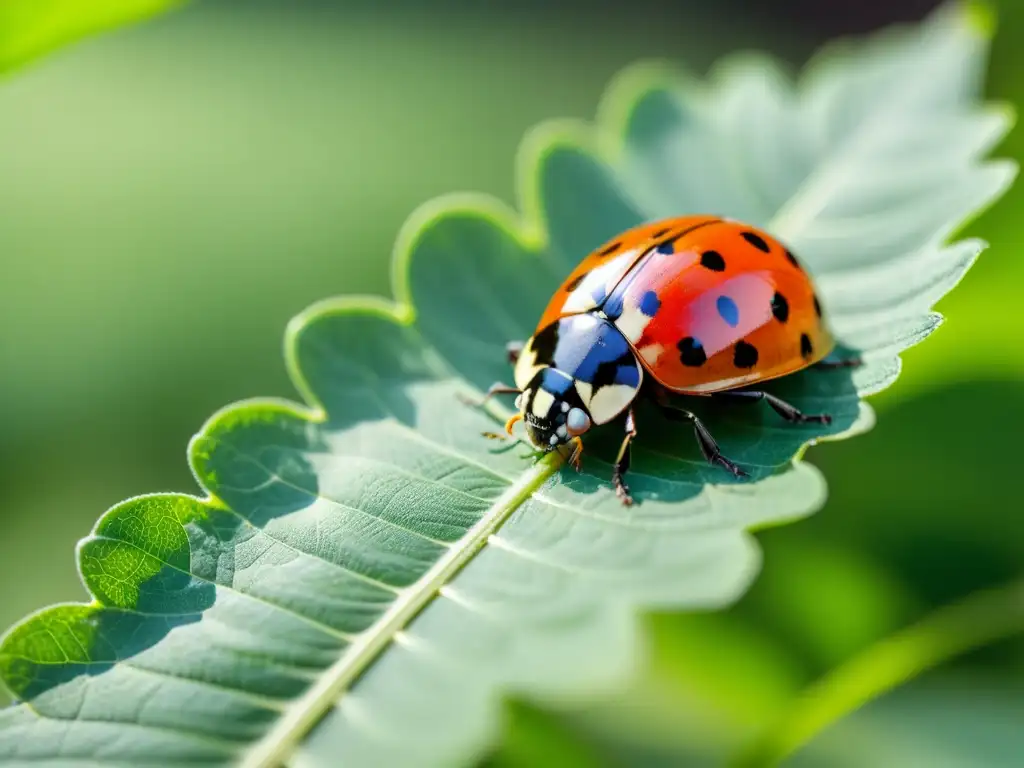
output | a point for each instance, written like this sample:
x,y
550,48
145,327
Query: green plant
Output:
x,y
982,618
366,574
30,28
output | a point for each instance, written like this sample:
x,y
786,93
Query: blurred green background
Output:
x,y
172,193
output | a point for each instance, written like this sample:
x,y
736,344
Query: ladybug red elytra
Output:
x,y
696,305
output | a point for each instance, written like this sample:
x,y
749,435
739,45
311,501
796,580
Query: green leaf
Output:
x,y
30,28
981,618
367,574
942,721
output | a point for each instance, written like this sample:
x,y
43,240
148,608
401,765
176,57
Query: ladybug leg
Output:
x,y
708,445
781,407
828,365
576,457
497,388
513,349
622,461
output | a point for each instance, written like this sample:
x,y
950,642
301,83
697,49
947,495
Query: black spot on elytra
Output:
x,y
573,284
691,352
806,348
712,260
611,248
659,233
817,307
780,307
756,240
792,258
744,355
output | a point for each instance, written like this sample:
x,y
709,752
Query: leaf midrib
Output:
x,y
274,747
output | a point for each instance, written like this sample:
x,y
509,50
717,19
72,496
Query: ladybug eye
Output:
x,y
577,422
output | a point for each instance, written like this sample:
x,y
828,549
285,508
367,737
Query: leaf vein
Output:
x,y
325,628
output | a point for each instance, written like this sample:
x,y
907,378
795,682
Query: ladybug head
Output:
x,y
552,409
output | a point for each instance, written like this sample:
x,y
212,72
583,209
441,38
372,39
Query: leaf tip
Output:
x,y
629,84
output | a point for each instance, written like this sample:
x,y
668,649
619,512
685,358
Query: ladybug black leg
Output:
x,y
781,407
708,445
622,461
827,365
514,349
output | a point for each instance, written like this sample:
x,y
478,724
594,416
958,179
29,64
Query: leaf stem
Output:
x,y
979,619
273,749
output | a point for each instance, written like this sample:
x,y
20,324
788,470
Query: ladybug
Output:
x,y
692,305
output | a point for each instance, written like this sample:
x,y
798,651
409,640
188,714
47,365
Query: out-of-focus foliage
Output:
x,y
984,618
30,28
983,341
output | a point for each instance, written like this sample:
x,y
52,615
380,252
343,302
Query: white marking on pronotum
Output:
x,y
526,366
542,402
